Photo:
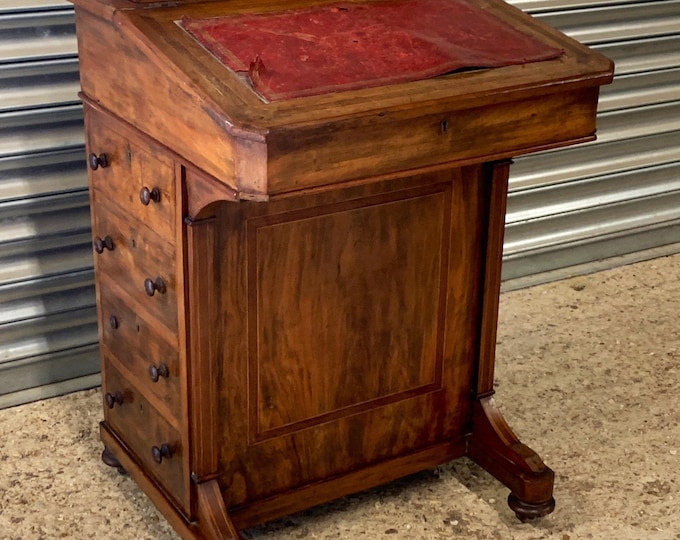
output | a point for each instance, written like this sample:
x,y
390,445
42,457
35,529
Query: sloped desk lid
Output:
x,y
139,63
322,49
159,27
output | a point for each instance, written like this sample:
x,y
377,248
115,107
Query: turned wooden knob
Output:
x,y
97,161
151,286
156,372
100,245
164,452
146,195
112,399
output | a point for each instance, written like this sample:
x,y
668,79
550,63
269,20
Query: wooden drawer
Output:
x,y
145,432
134,174
137,261
151,359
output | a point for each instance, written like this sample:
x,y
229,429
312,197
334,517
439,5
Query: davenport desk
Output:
x,y
298,272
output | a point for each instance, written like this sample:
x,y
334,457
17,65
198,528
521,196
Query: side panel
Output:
x,y
346,329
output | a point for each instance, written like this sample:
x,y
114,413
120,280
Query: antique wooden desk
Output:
x,y
298,297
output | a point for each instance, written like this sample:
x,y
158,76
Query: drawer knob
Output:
x,y
97,161
112,399
156,372
151,286
113,321
100,245
147,196
164,452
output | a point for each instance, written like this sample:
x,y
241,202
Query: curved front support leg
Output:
x,y
214,520
494,446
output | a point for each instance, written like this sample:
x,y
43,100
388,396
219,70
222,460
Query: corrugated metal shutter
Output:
x,y
569,209
617,199
48,332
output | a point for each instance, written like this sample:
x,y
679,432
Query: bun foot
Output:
x,y
526,511
109,459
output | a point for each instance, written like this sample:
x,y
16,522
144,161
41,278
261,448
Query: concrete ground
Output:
x,y
588,374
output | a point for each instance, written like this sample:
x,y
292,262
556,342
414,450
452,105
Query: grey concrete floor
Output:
x,y
588,374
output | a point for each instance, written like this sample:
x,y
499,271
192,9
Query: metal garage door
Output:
x,y
48,333
570,210
618,199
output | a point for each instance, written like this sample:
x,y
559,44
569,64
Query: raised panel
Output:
x,y
348,306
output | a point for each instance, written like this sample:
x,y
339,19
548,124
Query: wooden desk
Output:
x,y
298,299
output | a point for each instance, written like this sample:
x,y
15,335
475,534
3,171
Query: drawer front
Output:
x,y
136,344
139,262
132,174
150,438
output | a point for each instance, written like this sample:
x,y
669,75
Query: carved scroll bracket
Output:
x,y
204,194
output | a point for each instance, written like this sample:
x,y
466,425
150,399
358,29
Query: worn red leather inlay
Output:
x,y
350,46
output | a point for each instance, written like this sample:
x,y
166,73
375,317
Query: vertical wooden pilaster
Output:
x,y
491,285
201,361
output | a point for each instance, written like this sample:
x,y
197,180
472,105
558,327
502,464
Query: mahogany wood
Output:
x,y
205,336
298,300
153,350
492,262
212,513
117,449
494,446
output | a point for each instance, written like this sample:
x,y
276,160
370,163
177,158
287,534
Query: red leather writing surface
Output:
x,y
349,46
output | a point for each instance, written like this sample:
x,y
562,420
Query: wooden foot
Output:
x,y
494,446
109,459
214,520
526,511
